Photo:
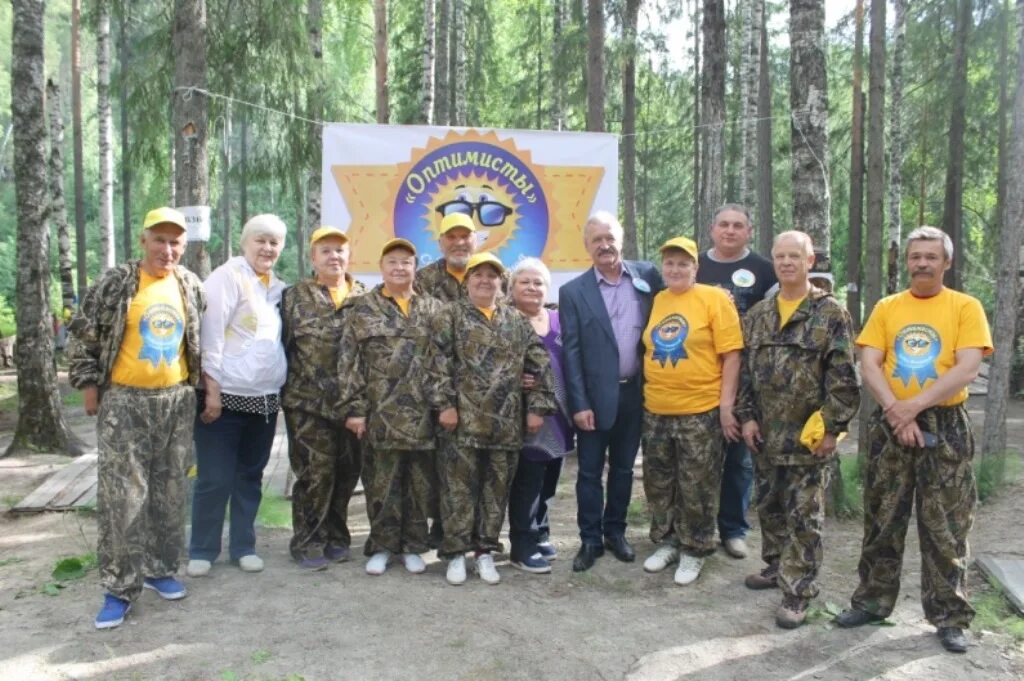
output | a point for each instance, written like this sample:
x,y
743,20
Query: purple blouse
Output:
x,y
555,438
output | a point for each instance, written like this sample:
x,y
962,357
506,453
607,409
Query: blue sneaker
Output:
x,y
547,550
168,588
113,612
535,564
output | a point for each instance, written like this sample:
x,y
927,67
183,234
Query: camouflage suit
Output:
x,y
485,360
324,456
391,379
144,436
787,374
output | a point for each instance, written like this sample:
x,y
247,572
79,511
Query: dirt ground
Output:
x,y
615,622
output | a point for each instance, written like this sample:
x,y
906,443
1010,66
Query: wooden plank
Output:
x,y
67,497
39,499
1009,573
87,499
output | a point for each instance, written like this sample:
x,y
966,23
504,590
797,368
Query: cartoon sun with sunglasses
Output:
x,y
482,198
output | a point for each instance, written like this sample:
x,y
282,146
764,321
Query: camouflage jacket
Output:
x,y
97,329
787,374
434,280
311,332
485,361
390,373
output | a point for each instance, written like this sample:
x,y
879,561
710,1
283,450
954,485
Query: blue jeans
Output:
x,y
533,486
231,454
621,442
736,479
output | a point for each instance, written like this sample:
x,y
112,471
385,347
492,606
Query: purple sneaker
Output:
x,y
337,553
313,564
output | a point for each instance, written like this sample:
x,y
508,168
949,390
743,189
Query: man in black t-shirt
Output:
x,y
747,277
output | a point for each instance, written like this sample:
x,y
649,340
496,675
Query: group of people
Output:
x,y
455,393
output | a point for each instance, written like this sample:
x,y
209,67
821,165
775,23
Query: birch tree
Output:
x,y
712,117
315,96
427,92
459,42
104,119
953,206
595,65
896,147
380,51
629,30
41,425
765,158
855,241
124,58
442,95
76,141
58,210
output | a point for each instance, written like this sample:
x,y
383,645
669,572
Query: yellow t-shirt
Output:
x,y
455,273
265,278
787,308
339,293
921,336
487,312
403,303
151,353
684,339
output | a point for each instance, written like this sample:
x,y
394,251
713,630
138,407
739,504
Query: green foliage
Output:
x,y
74,567
274,511
853,488
994,613
995,471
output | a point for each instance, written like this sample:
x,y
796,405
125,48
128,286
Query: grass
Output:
x,y
851,503
994,613
13,560
275,512
9,397
67,570
73,399
994,471
638,514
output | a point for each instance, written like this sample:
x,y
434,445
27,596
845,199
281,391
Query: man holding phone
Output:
x,y
921,348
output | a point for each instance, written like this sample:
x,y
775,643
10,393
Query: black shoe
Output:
x,y
953,639
587,556
620,548
855,617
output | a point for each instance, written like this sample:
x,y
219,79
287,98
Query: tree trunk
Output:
x,y
243,172
952,207
315,97
124,57
380,51
558,21
874,248
191,175
629,29
41,425
595,65
854,244
58,209
1005,18
460,39
896,148
104,120
1008,283
712,117
699,225
808,97
442,95
225,192
751,63
765,219
427,92
76,137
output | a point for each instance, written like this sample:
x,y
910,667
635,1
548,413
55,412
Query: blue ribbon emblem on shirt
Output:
x,y
668,338
161,329
917,348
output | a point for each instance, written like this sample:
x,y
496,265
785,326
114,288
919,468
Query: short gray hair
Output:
x,y
928,233
265,223
738,207
531,265
802,237
603,217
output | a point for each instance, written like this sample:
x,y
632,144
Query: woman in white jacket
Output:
x,y
244,368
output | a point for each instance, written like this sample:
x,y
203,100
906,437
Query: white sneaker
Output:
x,y
736,547
456,571
198,568
413,563
251,563
485,568
688,570
662,557
378,563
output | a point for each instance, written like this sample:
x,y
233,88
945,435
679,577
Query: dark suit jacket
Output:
x,y
590,355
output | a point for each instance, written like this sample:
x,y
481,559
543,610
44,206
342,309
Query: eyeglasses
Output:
x,y
491,213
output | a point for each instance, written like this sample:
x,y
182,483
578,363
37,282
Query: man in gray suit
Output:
x,y
603,313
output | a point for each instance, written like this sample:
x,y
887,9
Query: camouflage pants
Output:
x,y
144,439
398,487
943,479
683,458
791,510
326,460
475,488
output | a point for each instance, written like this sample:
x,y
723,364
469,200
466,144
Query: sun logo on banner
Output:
x,y
517,206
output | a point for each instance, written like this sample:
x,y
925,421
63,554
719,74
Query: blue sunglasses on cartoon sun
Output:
x,y
490,213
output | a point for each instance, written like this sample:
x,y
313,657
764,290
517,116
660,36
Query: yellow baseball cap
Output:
x,y
682,243
453,220
326,231
392,244
164,216
484,258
